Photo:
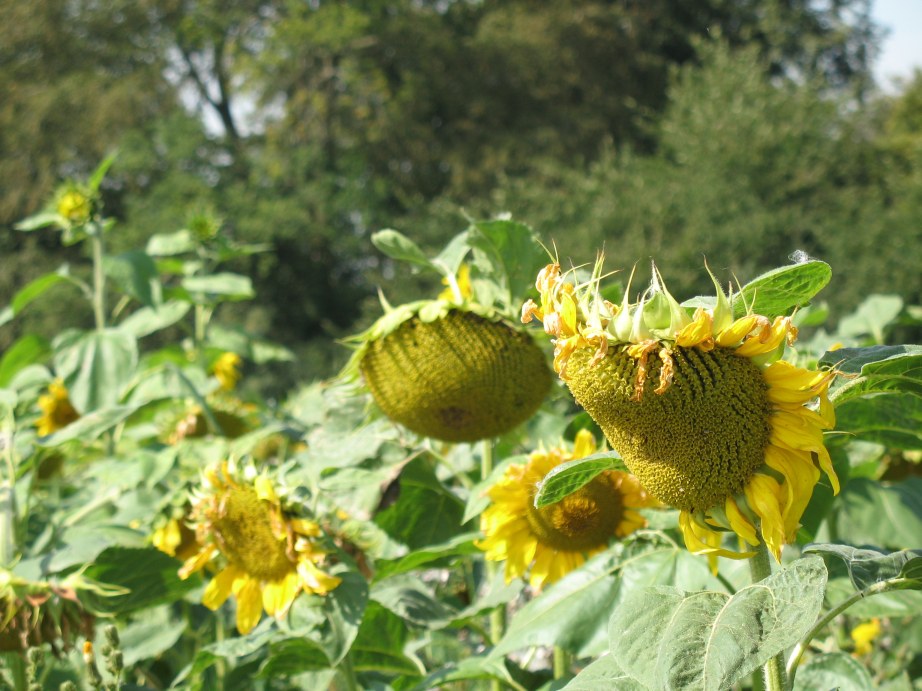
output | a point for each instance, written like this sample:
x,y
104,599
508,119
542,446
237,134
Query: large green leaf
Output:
x,y
150,634
343,610
25,351
136,274
779,291
96,366
665,638
89,427
294,655
886,516
509,253
574,612
867,566
473,667
460,545
148,576
604,673
833,671
873,315
893,419
148,320
170,244
379,646
408,597
568,477
426,512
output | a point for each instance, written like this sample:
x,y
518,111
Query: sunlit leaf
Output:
x,y
873,315
25,351
779,291
33,290
666,638
398,246
96,366
568,477
867,567
509,253
148,320
89,427
136,275
228,286
833,671
604,673
864,502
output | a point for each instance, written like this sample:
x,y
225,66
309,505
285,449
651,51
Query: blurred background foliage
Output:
x,y
733,130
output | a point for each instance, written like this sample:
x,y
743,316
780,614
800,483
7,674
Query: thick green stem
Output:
x,y
99,279
561,662
497,622
760,567
347,671
876,589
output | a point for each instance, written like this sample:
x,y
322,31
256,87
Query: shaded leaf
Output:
x,y
474,667
873,315
863,504
25,351
867,567
379,646
833,671
460,545
604,673
136,274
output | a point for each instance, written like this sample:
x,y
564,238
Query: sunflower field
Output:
x,y
545,477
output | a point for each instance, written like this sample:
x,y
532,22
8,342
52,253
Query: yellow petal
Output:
x,y
249,605
737,331
800,476
313,580
278,595
699,331
762,496
740,524
584,444
196,562
220,587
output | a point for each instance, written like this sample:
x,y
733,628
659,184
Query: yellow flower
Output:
x,y
864,635
268,556
227,370
700,407
556,539
234,418
57,410
461,282
175,538
75,205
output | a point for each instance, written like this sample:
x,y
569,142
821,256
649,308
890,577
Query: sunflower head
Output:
x,y
549,542
227,416
226,370
266,556
34,614
699,405
57,410
75,204
449,372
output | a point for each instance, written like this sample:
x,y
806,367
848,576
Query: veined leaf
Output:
x,y
862,504
570,476
96,366
398,246
509,253
604,673
833,671
867,567
665,638
779,291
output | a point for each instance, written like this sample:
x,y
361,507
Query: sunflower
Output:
x,y
57,410
700,406
452,371
556,539
268,557
226,369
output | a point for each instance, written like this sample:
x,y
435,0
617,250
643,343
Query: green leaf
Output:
x,y
873,315
473,667
291,656
253,349
97,176
461,545
864,502
604,673
40,220
149,576
779,291
509,253
344,608
33,290
171,244
426,513
136,274
867,567
406,596
379,646
96,366
150,634
398,246
833,671
89,427
148,320
665,638
574,612
450,258
227,285
25,351
853,360
894,420
568,477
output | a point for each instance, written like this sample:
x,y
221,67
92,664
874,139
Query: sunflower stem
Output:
x,y
561,662
99,279
760,567
497,622
347,671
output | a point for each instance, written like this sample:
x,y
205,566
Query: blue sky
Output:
x,y
902,47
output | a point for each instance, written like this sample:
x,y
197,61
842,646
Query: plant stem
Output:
x,y
492,568
347,671
875,589
760,567
99,279
561,662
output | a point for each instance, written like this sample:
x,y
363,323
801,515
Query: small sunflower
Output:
x,y
226,370
699,406
556,539
75,204
268,556
57,410
452,371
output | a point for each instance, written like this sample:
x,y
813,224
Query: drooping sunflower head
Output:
x,y
227,416
549,542
699,405
266,555
57,410
451,372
